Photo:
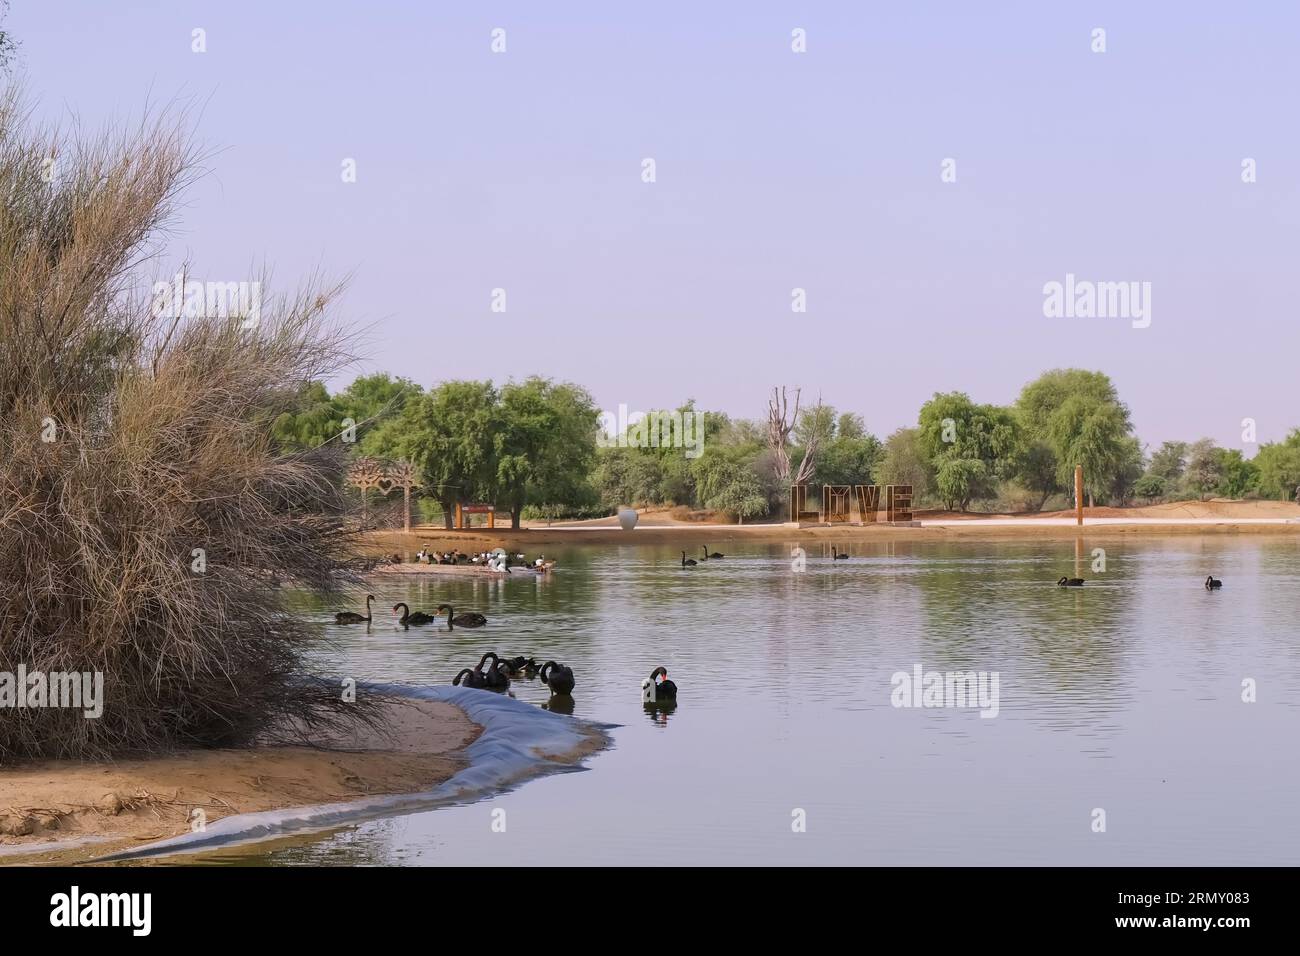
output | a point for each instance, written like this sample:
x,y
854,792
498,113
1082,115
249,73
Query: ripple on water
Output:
x,y
1124,693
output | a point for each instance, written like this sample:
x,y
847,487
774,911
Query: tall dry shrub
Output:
x,y
161,446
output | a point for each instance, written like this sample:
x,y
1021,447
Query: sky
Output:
x,y
774,170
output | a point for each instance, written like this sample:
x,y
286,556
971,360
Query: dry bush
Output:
x,y
161,445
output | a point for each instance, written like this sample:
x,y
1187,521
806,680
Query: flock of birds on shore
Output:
x,y
498,560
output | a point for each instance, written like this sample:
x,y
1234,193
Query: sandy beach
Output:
x,y
107,806
657,528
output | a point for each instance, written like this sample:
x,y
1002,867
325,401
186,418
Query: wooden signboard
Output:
x,y
837,503
799,505
475,509
868,502
898,502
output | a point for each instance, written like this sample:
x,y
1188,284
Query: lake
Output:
x,y
1124,696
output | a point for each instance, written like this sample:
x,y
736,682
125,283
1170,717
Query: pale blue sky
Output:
x,y
775,170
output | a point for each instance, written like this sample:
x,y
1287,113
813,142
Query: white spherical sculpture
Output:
x,y
627,518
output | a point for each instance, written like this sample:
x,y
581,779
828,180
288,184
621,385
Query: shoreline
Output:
x,y
691,536
517,742
67,811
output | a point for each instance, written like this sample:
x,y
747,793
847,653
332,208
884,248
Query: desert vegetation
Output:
x,y
146,512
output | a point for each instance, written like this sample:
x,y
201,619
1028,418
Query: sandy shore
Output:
x,y
657,529
111,806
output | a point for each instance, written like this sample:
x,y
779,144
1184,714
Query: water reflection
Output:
x,y
559,704
1126,690
659,711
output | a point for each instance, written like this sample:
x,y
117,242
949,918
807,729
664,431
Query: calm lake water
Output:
x,y
1125,695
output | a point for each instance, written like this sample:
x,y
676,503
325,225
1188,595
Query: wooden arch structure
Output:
x,y
372,474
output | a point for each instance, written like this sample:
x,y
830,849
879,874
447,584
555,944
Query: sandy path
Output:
x,y
133,801
658,529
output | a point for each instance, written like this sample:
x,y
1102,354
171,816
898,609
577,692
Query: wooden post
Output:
x,y
492,518
1078,493
406,510
460,517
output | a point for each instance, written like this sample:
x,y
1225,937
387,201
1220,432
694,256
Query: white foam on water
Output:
x,y
519,741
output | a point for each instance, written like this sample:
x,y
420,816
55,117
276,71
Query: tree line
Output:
x,y
533,448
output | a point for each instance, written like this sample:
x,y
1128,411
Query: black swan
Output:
x,y
352,617
496,678
838,555
688,562
715,555
461,620
419,617
516,664
653,691
469,678
557,677
1211,584
1070,583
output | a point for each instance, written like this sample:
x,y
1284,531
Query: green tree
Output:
x,y
1077,414
1128,469
373,403
1041,398
544,443
1204,468
448,434
1036,471
957,479
655,436
815,421
627,477
850,425
744,431
985,438
1169,461
847,460
905,462
1150,487
311,425
1094,435
1278,464
361,417
1238,476
727,482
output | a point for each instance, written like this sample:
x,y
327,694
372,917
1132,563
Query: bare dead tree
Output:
x,y
779,426
781,423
